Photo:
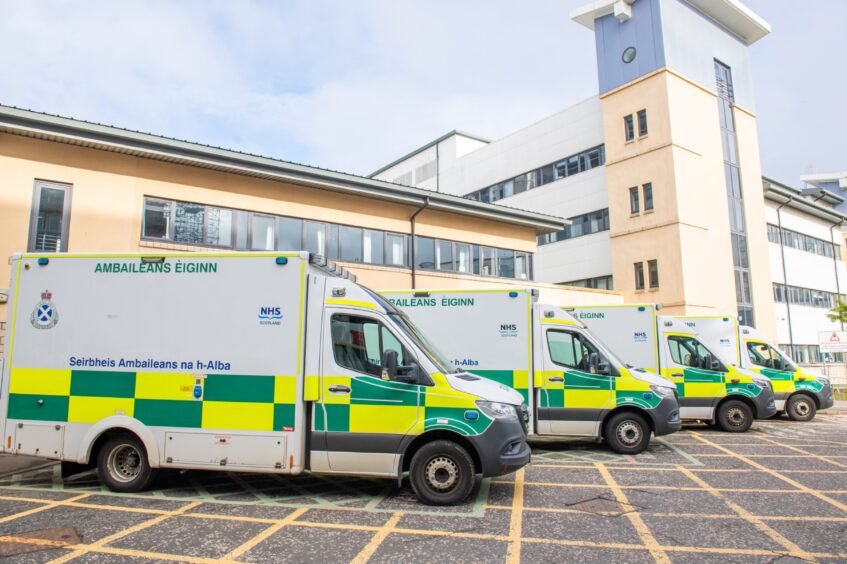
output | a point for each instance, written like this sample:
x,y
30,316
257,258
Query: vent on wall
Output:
x,y
425,171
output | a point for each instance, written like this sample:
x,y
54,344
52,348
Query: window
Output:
x,y
599,283
585,224
521,266
802,242
394,247
262,233
332,241
290,234
639,275
315,238
571,350
240,220
506,263
374,247
425,252
642,123
688,351
463,257
762,354
351,243
445,255
489,262
157,219
188,223
218,227
358,344
629,128
633,200
648,196
653,272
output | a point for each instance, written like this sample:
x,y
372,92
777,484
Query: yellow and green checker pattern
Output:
x,y
583,390
700,383
237,402
515,379
380,406
786,383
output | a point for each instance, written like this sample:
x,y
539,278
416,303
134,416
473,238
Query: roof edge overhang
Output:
x,y
422,148
787,196
106,138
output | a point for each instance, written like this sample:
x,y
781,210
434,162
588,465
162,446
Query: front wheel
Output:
x,y
442,473
123,466
627,433
735,416
801,407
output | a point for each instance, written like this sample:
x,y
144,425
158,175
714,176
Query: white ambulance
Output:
x,y
709,388
797,392
572,384
251,362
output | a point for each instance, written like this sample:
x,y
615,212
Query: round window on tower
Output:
x,y
628,55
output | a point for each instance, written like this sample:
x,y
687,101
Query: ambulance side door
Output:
x,y
699,388
571,399
362,416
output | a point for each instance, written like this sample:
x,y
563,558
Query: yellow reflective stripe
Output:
x,y
354,303
449,398
164,386
237,415
561,321
396,419
83,409
14,315
40,381
302,307
285,389
520,379
312,388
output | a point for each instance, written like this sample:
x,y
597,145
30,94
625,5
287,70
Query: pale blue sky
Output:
x,y
351,85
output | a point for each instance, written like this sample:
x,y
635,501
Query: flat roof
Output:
x,y
819,178
731,14
28,123
793,198
423,148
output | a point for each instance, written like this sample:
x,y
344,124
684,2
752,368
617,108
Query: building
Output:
x,y
835,182
659,173
807,264
75,186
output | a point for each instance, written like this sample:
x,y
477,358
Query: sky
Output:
x,y
351,85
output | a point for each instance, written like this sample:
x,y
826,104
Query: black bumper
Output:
x,y
665,417
502,447
824,397
764,404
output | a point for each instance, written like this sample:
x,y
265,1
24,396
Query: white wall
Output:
x,y
589,256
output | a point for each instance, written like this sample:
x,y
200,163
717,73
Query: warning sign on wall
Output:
x,y
832,341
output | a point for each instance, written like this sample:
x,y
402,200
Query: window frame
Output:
x,y
38,186
647,188
628,128
634,201
639,273
653,265
641,116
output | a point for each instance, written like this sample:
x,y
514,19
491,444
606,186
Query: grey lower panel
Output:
x,y
781,396
355,463
696,413
697,402
356,442
570,414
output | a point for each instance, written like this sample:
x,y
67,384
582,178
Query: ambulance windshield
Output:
x,y
405,324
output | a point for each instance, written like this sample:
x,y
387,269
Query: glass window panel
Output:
x,y
463,257
633,200
425,252
561,169
594,158
507,189
356,343
476,260
315,238
629,128
522,183
505,263
332,241
573,165
240,220
648,196
262,236
157,219
521,266
548,174
445,255
489,262
290,234
374,246
351,243
642,123
218,227
188,223
394,254
639,275
653,272
562,346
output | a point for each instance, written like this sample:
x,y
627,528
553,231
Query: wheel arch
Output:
x,y
743,399
436,435
806,393
627,409
111,426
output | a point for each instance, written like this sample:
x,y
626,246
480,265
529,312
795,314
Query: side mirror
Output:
x,y
597,365
389,364
711,363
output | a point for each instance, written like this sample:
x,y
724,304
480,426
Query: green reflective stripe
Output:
x,y
747,390
809,385
699,376
777,374
102,384
680,389
454,418
169,413
637,398
583,381
337,417
26,406
553,398
283,416
367,390
227,387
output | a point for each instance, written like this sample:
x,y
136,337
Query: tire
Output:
x,y
735,416
801,407
627,433
442,473
122,464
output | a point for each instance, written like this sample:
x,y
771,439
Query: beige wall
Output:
x,y
688,232
108,192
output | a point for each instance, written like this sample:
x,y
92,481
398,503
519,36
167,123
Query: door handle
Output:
x,y
677,375
339,390
555,379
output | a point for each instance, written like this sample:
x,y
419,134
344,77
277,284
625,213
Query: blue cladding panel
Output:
x,y
643,31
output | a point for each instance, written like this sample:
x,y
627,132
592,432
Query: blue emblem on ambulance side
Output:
x,y
270,315
44,316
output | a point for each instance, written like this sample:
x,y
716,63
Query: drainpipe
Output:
x,y
784,274
835,262
414,246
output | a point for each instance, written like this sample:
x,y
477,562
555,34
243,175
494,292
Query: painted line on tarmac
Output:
x,y
516,519
807,453
246,546
48,505
381,534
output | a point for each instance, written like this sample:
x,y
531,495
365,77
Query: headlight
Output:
x,y
662,391
763,382
496,410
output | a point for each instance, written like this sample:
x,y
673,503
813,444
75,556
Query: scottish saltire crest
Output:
x,y
44,316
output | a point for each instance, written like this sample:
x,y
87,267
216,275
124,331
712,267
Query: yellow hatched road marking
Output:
x,y
775,536
47,505
382,532
652,487
128,531
775,474
516,520
235,553
806,453
634,517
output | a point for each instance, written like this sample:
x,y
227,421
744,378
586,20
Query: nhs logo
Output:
x,y
508,330
270,315
640,336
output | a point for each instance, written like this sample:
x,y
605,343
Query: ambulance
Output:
x,y
572,384
244,362
709,389
797,392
